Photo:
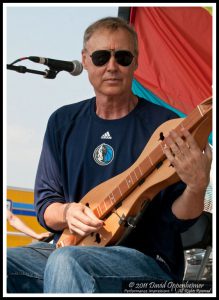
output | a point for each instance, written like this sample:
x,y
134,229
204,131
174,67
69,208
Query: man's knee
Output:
x,y
66,272
66,257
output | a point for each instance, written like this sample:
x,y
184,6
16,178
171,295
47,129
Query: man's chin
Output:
x,y
113,91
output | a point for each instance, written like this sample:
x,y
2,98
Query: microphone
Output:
x,y
73,67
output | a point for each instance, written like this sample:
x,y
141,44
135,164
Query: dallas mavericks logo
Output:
x,y
103,154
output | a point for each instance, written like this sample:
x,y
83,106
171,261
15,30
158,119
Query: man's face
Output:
x,y
110,79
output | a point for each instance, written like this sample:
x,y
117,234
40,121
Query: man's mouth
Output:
x,y
112,79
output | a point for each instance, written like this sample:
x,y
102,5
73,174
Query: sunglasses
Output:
x,y
122,57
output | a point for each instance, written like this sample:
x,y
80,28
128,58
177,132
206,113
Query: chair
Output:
x,y
199,236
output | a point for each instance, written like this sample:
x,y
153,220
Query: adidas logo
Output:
x,y
106,135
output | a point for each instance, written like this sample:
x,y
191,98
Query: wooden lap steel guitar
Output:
x,y
118,200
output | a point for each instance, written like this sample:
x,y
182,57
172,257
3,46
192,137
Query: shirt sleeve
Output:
x,y
48,185
168,196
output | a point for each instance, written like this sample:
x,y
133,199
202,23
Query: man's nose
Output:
x,y
112,64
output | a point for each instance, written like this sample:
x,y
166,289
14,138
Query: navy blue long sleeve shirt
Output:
x,y
81,150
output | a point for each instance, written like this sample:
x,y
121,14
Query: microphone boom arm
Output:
x,y
50,74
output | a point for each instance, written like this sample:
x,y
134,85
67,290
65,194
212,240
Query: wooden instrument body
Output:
x,y
163,175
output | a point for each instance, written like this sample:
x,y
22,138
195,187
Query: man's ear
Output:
x,y
136,63
84,59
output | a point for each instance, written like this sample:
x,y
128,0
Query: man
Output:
x,y
89,142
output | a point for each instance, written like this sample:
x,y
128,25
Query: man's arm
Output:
x,y
49,198
193,167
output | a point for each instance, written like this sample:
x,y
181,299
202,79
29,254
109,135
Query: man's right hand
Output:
x,y
81,219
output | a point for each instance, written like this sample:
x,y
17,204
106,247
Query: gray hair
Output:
x,y
111,23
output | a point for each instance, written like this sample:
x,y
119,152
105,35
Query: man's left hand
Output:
x,y
191,164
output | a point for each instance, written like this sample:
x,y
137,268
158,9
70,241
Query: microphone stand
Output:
x,y
50,74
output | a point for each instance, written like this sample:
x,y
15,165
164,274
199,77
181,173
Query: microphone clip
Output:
x,y
50,74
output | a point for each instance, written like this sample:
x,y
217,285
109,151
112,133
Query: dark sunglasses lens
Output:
x,y
100,57
124,58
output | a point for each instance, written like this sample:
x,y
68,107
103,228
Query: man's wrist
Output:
x,y
195,191
65,212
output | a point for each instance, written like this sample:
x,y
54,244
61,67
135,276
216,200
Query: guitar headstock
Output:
x,y
205,105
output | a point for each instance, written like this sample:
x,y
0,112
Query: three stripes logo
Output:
x,y
106,136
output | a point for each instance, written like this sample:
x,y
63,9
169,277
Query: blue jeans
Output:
x,y
40,268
